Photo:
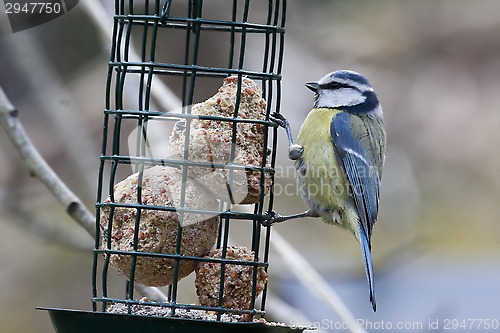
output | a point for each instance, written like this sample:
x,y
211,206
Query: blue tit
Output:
x,y
339,158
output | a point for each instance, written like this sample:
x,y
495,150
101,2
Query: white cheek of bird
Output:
x,y
344,97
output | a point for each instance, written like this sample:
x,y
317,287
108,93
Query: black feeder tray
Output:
x,y
185,44
75,321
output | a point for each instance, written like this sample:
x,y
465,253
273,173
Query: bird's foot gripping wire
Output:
x,y
294,150
282,122
270,218
279,119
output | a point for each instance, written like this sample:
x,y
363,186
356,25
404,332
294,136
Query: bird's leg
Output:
x,y
294,150
282,122
277,218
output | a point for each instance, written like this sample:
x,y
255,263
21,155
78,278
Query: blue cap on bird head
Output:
x,y
347,76
342,79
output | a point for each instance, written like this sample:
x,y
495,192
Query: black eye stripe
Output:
x,y
334,86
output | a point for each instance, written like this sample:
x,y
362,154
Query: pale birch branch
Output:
x,y
66,119
39,168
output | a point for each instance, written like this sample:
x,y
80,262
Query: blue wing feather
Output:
x,y
364,181
360,171
367,258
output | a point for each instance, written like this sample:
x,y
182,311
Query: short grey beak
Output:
x,y
314,86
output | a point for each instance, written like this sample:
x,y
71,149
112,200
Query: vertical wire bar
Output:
x,y
130,284
274,147
170,290
278,107
186,58
231,63
147,93
222,231
197,10
108,239
142,144
238,94
269,84
219,232
232,34
272,62
143,60
102,164
256,224
121,8
142,119
266,261
154,34
95,258
277,82
243,36
233,148
223,266
266,50
282,39
185,103
258,208
119,81
197,13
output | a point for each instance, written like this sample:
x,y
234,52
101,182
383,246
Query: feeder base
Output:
x,y
77,321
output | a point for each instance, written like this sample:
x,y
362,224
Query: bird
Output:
x,y
339,157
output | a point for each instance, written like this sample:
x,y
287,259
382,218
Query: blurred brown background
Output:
x,y
436,68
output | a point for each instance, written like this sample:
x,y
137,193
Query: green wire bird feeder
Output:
x,y
165,201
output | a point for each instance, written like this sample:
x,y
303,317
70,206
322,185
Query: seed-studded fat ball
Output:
x,y
161,186
237,279
210,141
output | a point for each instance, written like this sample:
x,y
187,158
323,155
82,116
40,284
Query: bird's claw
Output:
x,y
270,218
279,119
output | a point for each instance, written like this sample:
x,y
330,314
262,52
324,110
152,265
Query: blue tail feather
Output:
x,y
367,258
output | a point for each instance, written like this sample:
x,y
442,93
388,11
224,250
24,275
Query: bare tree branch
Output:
x,y
39,168
68,122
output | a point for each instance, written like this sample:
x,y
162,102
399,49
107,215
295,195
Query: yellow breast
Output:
x,y
323,186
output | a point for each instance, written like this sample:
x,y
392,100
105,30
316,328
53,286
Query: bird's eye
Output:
x,y
335,86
